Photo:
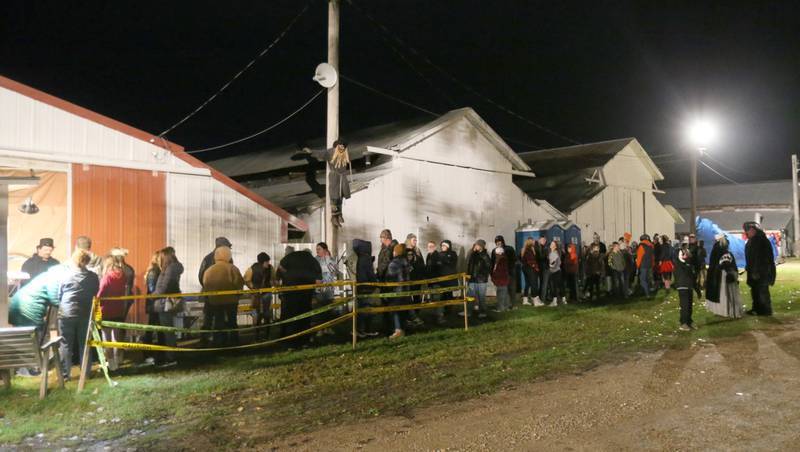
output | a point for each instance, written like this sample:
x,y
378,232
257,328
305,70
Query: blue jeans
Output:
x,y
503,298
644,279
478,291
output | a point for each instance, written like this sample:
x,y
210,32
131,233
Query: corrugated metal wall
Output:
x,y
200,208
120,208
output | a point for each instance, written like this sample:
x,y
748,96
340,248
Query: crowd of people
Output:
x,y
548,273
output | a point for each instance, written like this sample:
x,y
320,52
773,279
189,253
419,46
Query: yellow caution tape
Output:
x,y
164,348
278,289
413,283
413,307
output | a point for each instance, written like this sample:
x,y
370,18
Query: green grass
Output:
x,y
256,397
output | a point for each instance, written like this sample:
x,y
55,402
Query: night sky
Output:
x,y
588,71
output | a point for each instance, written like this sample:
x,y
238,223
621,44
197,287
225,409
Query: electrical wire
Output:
x,y
238,74
717,161
718,173
260,132
388,96
382,28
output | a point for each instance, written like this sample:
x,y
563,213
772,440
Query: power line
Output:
x,y
717,161
389,96
465,86
260,132
718,173
238,74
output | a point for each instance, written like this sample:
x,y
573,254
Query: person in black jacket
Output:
x,y
399,271
364,273
168,282
684,283
75,296
479,267
418,272
513,271
41,261
760,268
446,263
298,268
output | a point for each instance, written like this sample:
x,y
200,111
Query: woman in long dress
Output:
x,y
722,285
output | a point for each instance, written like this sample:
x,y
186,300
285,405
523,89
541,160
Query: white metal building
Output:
x,y
451,178
605,187
122,187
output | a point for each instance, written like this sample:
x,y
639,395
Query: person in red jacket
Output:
x,y
113,284
571,265
501,279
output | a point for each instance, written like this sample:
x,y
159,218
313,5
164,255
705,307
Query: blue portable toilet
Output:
x,y
572,234
555,233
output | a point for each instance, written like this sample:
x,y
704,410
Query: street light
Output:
x,y
702,132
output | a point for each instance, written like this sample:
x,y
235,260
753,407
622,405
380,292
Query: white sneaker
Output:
x,y
554,303
564,300
525,301
537,302
555,300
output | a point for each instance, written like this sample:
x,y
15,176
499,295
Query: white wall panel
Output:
x,y
199,209
29,125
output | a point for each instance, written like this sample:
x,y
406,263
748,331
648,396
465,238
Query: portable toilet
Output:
x,y
572,234
555,233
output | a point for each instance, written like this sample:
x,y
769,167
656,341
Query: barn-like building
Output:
x,y
122,187
606,188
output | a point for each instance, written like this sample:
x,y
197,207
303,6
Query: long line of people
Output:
x,y
551,275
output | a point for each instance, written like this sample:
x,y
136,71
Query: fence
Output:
x,y
352,295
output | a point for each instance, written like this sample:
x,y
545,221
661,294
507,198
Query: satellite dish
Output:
x,y
326,75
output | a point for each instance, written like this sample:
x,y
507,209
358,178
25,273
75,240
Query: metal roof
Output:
x,y
273,174
562,172
770,193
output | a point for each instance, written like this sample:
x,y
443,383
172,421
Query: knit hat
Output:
x,y
399,250
448,243
644,237
222,241
119,252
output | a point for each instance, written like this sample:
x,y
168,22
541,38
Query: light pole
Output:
x,y
701,133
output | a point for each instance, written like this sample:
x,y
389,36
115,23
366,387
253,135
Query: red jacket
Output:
x,y
500,276
113,285
571,260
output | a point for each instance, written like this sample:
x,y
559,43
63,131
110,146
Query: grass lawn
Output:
x,y
244,399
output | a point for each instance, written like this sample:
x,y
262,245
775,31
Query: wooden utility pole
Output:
x,y
795,208
333,117
693,190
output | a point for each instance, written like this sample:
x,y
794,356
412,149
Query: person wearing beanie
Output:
x,y
447,264
479,267
530,270
511,258
399,270
260,276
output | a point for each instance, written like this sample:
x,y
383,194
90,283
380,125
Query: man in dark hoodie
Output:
x,y
760,268
513,272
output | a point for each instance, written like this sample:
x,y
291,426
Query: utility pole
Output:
x,y
693,190
795,208
333,117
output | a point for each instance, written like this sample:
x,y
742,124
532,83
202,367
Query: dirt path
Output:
x,y
740,394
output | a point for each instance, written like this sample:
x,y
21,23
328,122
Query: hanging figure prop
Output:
x,y
339,160
340,168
